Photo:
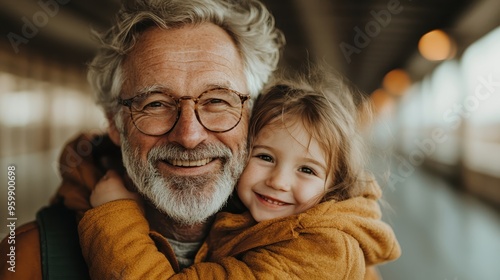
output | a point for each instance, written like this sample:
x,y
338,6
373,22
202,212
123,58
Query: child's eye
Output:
x,y
265,157
307,170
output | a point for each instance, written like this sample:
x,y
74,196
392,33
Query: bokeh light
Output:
x,y
396,82
436,45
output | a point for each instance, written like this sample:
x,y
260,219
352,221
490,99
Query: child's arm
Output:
x,y
114,235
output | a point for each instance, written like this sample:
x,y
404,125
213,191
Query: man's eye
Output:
x,y
265,157
153,104
214,102
158,105
307,170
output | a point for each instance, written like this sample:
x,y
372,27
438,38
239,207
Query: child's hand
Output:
x,y
109,188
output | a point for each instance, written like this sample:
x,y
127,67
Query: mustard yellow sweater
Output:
x,y
333,240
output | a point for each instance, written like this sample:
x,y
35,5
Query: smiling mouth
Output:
x,y
272,201
189,163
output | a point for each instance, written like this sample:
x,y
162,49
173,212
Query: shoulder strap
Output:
x,y
61,254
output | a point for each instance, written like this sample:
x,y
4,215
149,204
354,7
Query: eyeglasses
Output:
x,y
156,113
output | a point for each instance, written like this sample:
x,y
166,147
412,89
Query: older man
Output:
x,y
175,79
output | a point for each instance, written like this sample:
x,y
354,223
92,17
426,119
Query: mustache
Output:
x,y
172,151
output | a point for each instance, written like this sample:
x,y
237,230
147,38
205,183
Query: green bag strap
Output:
x,y
61,254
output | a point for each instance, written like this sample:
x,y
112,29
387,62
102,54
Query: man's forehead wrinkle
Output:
x,y
214,58
225,70
163,60
192,61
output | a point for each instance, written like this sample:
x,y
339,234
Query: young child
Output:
x,y
312,209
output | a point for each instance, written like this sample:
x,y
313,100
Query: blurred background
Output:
x,y
431,68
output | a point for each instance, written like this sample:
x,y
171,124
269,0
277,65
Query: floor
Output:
x,y
444,234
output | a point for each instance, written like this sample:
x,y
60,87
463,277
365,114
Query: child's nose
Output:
x,y
280,180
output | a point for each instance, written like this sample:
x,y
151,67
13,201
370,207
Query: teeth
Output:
x,y
272,201
189,163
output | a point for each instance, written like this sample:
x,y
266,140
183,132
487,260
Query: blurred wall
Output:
x,y
43,103
449,122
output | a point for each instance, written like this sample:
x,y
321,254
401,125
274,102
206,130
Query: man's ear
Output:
x,y
113,132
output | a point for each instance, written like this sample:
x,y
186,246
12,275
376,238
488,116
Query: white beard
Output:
x,y
188,200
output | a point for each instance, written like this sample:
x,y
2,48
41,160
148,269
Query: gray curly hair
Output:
x,y
248,22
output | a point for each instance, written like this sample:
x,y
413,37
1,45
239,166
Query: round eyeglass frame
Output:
x,y
128,103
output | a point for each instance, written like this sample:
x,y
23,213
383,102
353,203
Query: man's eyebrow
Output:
x,y
151,88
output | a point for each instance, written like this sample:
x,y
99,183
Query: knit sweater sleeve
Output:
x,y
116,245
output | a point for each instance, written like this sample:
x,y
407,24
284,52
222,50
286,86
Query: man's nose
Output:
x,y
280,179
188,131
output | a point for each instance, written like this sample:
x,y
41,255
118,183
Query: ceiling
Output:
x,y
363,39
